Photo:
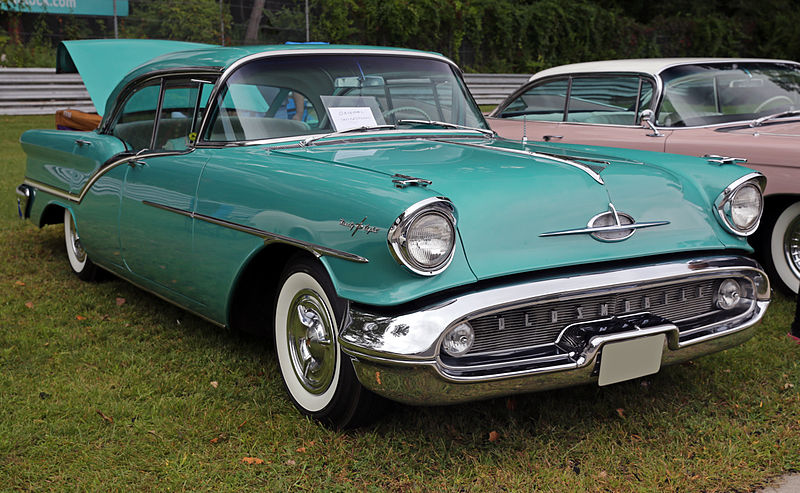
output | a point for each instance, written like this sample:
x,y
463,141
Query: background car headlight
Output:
x,y
746,206
740,205
423,238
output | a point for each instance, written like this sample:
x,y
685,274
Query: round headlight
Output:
x,y
423,238
746,206
740,205
429,240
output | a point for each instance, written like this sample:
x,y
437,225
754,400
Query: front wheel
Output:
x,y
81,265
783,248
319,378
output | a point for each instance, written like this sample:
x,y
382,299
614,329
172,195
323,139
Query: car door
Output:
x,y
158,198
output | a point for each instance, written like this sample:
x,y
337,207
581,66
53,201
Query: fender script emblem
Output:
x,y
354,227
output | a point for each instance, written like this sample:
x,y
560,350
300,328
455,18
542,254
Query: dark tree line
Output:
x,y
520,36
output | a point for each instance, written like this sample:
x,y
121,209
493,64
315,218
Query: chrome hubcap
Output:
x,y
310,337
791,246
75,241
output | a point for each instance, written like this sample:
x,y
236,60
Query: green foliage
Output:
x,y
520,36
197,20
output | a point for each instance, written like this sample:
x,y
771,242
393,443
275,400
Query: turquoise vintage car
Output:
x,y
387,240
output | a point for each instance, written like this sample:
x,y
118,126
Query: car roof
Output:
x,y
108,65
648,66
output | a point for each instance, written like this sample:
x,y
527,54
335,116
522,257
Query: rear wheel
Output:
x,y
782,246
81,265
319,378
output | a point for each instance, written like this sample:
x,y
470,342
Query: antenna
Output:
x,y
524,129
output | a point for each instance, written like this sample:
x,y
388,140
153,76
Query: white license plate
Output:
x,y
629,359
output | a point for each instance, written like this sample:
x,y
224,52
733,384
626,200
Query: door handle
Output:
x,y
137,163
82,142
548,138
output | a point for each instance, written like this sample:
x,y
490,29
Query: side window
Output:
x,y
174,128
604,100
543,102
135,123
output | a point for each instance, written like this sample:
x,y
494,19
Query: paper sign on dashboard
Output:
x,y
345,118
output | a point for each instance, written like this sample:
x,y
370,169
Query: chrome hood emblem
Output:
x,y
609,226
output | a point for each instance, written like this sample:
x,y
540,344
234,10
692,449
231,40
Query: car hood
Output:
x,y
506,198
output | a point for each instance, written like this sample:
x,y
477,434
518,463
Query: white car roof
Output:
x,y
649,66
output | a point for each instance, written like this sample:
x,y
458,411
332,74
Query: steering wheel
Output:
x,y
405,108
779,97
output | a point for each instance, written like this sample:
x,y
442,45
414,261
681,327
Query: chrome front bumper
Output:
x,y
398,355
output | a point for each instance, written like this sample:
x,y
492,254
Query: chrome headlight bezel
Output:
x,y
722,206
398,233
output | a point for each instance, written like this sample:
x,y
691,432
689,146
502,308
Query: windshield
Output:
x,y
288,96
707,94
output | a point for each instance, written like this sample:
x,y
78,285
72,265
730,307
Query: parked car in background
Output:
x,y
735,110
384,238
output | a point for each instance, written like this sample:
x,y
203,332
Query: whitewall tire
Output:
x,y
79,261
318,377
784,247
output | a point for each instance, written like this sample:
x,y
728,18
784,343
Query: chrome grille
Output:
x,y
540,324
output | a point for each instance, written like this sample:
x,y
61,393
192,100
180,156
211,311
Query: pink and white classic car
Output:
x,y
727,110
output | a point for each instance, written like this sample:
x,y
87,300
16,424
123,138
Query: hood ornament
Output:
x,y
609,226
402,181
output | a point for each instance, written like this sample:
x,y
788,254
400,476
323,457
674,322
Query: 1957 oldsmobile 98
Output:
x,y
352,203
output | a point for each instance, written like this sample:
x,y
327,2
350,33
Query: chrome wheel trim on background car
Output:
x,y
785,247
791,246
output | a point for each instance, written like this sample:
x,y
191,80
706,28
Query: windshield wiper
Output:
x,y
758,121
365,128
484,131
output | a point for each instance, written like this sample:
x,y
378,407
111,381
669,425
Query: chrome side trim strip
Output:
x,y
268,237
63,194
550,157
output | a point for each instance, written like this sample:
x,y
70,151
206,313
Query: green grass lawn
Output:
x,y
105,387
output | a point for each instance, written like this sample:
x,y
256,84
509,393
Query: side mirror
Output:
x,y
646,119
646,116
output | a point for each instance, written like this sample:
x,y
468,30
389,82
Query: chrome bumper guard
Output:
x,y
399,357
24,201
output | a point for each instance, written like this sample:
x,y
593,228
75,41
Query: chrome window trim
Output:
x,y
268,237
110,120
380,134
725,196
228,71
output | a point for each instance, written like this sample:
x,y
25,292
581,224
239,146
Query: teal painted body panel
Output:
x,y
157,244
304,198
59,159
